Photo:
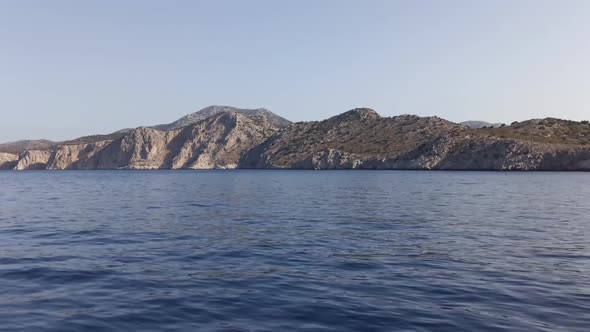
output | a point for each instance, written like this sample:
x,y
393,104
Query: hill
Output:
x,y
20,146
207,112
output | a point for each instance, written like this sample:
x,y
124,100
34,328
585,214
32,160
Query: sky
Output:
x,y
74,68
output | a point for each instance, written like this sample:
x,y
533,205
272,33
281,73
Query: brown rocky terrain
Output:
x,y
357,139
20,146
361,139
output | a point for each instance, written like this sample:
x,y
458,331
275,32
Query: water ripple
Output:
x,y
282,251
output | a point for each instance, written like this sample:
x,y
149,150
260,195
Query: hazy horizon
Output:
x,y
71,69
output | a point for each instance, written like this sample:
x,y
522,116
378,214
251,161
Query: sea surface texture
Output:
x,y
294,251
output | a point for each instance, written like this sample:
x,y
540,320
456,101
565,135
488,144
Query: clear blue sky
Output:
x,y
71,68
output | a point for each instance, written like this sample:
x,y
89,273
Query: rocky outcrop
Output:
x,y
217,142
357,139
500,154
361,139
33,159
76,156
8,160
329,159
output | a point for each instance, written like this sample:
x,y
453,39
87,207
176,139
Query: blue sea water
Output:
x,y
294,250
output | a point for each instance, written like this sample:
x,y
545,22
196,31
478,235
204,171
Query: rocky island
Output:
x,y
221,137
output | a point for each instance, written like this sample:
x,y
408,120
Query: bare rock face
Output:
x,y
33,159
217,142
220,141
75,156
8,160
143,148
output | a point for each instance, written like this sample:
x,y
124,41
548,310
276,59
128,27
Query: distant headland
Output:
x,y
223,137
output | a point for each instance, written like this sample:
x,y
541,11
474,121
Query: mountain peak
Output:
x,y
357,114
216,109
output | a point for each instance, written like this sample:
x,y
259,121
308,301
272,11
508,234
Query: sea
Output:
x,y
287,250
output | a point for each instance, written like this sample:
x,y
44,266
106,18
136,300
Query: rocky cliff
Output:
x,y
357,139
33,159
8,160
217,142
